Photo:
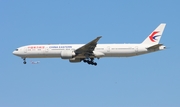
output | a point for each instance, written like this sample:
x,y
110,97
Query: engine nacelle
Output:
x,y
67,54
73,60
98,54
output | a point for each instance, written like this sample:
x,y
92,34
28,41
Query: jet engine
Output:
x,y
98,54
67,54
75,60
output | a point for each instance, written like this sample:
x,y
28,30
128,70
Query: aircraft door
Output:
x,y
46,49
136,50
25,49
108,48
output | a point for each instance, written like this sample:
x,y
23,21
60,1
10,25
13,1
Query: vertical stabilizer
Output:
x,y
155,36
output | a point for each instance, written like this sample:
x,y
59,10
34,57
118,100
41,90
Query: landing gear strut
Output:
x,y
91,61
24,59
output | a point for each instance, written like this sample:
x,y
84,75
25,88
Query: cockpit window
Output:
x,y
16,50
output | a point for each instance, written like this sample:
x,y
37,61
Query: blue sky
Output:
x,y
150,80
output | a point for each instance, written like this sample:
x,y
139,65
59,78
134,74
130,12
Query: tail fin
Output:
x,y
155,36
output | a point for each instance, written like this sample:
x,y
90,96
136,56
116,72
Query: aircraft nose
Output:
x,y
14,52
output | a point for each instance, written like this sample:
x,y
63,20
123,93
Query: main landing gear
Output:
x,y
91,61
24,60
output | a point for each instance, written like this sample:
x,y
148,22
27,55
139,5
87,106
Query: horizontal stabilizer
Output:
x,y
155,46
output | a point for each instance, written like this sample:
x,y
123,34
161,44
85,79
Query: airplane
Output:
x,y
35,62
88,52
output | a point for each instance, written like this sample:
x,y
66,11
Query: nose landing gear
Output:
x,y
24,60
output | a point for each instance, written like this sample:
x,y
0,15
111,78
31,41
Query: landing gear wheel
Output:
x,y
90,62
92,59
85,61
24,60
95,63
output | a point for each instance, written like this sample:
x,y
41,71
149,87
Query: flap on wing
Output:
x,y
155,46
89,47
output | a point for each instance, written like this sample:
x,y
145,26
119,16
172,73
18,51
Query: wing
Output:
x,y
87,48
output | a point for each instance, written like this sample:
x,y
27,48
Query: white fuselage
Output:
x,y
87,52
108,50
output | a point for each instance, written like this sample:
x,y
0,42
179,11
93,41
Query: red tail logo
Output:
x,y
153,36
